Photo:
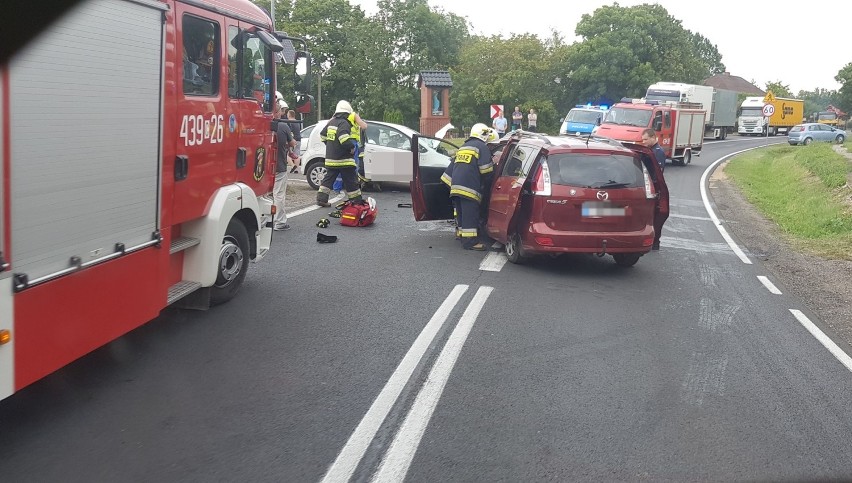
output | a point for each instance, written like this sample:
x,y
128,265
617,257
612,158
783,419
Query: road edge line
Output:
x,y
826,341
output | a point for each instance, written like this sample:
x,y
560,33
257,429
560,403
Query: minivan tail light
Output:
x,y
649,187
541,185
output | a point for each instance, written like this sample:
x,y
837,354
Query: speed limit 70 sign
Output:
x,y
768,110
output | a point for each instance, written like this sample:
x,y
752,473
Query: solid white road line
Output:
x,y
824,340
401,452
768,284
311,208
352,453
706,200
688,217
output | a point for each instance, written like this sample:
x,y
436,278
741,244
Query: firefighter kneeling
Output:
x,y
340,148
467,176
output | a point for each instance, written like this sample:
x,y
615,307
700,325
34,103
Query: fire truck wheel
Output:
x,y
232,264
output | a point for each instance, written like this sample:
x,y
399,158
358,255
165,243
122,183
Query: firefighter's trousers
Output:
x,y
467,218
350,182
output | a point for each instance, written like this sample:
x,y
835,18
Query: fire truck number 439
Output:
x,y
195,130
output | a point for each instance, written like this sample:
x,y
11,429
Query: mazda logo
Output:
x,y
603,195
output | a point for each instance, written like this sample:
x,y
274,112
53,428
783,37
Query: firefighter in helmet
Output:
x,y
340,152
468,177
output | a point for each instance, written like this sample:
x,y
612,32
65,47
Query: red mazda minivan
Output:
x,y
562,195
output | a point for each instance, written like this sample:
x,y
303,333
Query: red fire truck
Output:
x,y
679,126
138,159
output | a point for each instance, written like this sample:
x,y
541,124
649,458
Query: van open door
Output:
x,y
430,197
510,177
661,213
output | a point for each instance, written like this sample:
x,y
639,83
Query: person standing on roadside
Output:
x,y
532,121
286,142
499,124
517,119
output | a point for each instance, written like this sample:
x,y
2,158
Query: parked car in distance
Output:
x,y
814,131
387,153
553,195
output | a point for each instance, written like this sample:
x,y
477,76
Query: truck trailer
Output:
x,y
720,104
788,113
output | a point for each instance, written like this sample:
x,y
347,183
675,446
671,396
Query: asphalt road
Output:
x,y
393,354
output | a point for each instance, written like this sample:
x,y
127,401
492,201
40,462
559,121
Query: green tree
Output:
x,y
844,77
625,49
404,38
517,71
817,100
778,89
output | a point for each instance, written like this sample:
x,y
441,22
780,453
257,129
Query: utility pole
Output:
x,y
319,94
272,13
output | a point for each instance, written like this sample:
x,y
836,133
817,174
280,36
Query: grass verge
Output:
x,y
803,189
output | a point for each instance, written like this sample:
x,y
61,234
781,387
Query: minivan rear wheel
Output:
x,y
513,249
626,259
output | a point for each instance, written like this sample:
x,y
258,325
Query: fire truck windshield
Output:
x,y
629,117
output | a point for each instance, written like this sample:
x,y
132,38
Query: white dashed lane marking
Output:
x,y
768,284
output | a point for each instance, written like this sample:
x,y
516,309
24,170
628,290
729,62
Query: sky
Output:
x,y
758,42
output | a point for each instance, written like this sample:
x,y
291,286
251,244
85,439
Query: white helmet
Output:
x,y
343,106
279,96
483,132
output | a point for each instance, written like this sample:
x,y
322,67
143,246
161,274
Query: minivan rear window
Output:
x,y
596,170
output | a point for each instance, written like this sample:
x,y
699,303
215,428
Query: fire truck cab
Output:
x,y
138,162
679,126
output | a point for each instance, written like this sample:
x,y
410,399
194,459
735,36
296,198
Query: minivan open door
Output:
x,y
430,197
661,214
510,177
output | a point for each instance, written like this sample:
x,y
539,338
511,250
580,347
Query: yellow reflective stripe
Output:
x,y
469,150
447,179
467,232
323,189
354,194
340,163
343,138
486,168
465,192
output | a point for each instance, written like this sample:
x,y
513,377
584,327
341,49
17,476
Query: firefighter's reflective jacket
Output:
x,y
339,142
471,165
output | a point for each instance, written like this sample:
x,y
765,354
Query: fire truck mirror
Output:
x,y
270,40
304,103
302,73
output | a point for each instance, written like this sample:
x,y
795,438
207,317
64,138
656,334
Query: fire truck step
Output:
x,y
181,290
182,243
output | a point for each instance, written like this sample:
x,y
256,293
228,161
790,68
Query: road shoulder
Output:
x,y
825,286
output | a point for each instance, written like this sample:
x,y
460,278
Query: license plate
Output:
x,y
598,208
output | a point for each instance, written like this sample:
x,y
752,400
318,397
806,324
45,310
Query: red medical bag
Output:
x,y
359,214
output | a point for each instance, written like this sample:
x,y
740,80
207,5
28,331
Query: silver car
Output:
x,y
814,131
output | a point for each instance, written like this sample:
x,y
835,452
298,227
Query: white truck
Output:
x,y
720,104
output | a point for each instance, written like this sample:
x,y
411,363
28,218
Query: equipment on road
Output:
x,y
359,214
323,223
